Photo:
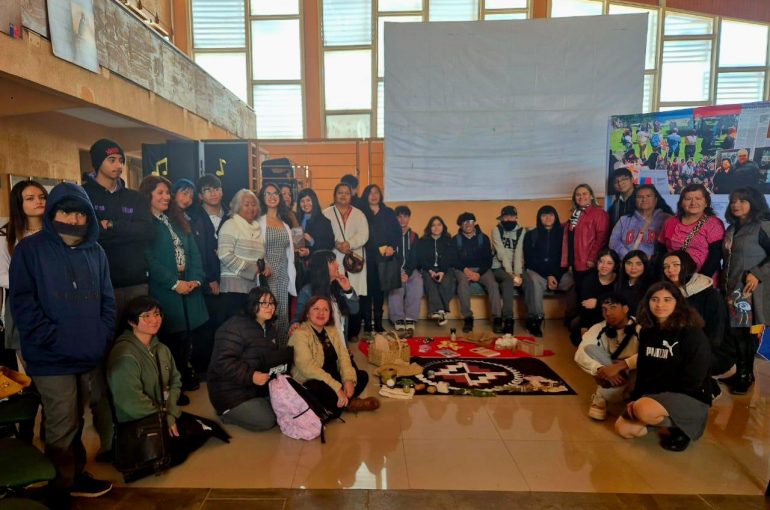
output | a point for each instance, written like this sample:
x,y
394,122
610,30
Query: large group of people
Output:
x,y
120,298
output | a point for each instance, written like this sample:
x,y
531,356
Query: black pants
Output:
x,y
180,344
372,303
328,397
203,341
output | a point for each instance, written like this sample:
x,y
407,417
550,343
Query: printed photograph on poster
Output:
x,y
10,18
72,32
720,147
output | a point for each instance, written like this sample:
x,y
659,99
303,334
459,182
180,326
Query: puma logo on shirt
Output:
x,y
661,353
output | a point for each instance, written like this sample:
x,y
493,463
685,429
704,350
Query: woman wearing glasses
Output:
x,y
276,223
139,390
245,351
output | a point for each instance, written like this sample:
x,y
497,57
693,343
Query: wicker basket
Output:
x,y
397,350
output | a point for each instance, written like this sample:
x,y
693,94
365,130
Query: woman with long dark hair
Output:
x,y
746,253
384,236
635,278
326,280
175,275
695,229
318,233
435,256
599,281
542,258
672,371
245,351
27,206
276,223
679,269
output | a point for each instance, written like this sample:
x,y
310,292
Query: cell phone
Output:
x,y
261,265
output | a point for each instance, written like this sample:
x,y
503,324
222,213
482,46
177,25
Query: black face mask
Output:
x,y
70,230
508,225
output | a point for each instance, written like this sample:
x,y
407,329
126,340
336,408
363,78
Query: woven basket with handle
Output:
x,y
397,350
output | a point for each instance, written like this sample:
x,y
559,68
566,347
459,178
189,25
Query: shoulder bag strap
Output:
x,y
694,231
337,217
160,381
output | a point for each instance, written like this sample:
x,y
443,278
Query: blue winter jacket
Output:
x,y
61,299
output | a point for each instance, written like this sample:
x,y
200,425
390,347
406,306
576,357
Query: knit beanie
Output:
x,y
101,150
182,184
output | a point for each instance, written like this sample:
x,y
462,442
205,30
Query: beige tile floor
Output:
x,y
509,443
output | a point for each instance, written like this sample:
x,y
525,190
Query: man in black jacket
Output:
x,y
474,264
125,227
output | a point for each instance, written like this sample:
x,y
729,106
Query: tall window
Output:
x,y
254,48
742,62
219,39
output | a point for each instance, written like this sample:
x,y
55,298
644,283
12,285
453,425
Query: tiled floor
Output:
x,y
543,444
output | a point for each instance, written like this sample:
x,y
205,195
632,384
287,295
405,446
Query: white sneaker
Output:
x,y
399,325
436,315
598,408
442,318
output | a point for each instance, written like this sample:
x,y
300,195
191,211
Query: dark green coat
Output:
x,y
163,275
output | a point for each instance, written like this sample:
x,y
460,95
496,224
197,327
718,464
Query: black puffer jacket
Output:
x,y
241,347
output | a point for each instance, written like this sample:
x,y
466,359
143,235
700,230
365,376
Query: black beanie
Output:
x,y
101,150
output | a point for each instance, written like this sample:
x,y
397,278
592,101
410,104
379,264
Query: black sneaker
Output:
x,y
467,324
184,400
86,486
497,325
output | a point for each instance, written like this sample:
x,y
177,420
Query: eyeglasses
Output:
x,y
151,315
469,222
272,194
267,304
208,191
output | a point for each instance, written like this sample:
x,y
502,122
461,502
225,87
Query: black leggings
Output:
x,y
373,302
328,397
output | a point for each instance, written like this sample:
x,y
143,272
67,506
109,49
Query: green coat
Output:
x,y
163,275
132,375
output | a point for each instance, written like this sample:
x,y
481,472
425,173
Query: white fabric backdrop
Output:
x,y
498,110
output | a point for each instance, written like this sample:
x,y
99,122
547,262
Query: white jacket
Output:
x,y
356,232
593,337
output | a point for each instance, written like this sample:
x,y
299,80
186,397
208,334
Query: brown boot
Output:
x,y
364,404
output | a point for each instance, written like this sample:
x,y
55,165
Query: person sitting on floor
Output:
x,y
138,390
322,362
245,354
672,376
608,352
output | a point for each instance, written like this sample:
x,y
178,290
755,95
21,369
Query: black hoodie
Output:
x,y
131,230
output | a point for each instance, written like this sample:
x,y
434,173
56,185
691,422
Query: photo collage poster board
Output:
x,y
721,147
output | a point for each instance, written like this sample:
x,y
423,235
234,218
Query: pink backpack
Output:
x,y
298,412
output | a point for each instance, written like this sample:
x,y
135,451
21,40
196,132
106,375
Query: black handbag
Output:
x,y
143,446
389,271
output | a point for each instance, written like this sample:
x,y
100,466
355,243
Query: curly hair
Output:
x,y
284,213
683,316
